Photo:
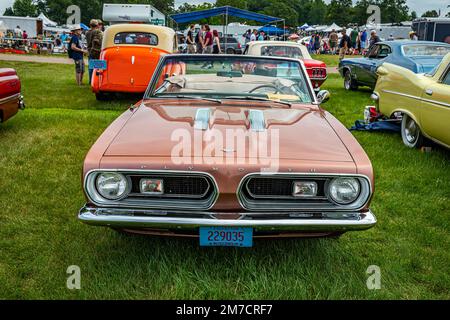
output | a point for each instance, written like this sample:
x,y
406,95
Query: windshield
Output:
x,y
230,77
425,50
282,51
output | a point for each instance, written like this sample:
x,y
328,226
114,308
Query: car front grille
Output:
x,y
260,187
176,186
263,192
182,190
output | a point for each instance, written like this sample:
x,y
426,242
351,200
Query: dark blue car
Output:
x,y
417,56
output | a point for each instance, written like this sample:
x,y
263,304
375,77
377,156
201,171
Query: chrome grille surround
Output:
x,y
174,201
289,203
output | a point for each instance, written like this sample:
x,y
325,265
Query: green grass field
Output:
x,y
331,60
41,154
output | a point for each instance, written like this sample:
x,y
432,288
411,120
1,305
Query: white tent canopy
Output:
x,y
321,28
3,27
333,26
57,29
46,21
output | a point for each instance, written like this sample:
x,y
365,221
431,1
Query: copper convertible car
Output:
x,y
238,150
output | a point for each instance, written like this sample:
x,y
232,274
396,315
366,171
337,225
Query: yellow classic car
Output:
x,y
421,100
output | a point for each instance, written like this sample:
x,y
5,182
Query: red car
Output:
x,y
317,70
11,99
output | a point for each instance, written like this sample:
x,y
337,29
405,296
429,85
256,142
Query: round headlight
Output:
x,y
344,190
111,185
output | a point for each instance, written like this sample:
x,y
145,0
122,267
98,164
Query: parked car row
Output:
x,y
130,54
411,82
166,166
417,56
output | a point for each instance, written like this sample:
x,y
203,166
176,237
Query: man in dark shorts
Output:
x,y
344,45
77,54
353,38
333,41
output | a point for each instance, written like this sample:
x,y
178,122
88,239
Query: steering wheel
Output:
x,y
277,90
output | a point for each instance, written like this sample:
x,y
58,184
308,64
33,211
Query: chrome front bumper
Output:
x,y
133,218
21,102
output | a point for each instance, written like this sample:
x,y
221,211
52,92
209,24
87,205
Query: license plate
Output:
x,y
226,236
97,64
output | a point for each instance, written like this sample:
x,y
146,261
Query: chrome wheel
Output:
x,y
411,134
347,81
411,130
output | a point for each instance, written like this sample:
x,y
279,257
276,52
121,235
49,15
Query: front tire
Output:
x,y
230,51
411,135
349,82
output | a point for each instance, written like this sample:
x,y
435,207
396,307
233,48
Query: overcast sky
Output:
x,y
420,6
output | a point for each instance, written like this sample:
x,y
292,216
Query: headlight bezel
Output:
x,y
343,203
94,194
124,178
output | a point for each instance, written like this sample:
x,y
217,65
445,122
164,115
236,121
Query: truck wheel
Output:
x,y
230,51
349,83
411,135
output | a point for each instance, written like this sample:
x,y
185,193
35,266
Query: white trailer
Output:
x,y
127,13
33,26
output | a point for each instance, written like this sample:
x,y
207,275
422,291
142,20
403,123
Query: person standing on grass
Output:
x,y
253,35
190,41
247,35
374,38
317,43
93,24
261,36
216,43
199,39
77,54
208,40
344,45
353,38
333,41
96,46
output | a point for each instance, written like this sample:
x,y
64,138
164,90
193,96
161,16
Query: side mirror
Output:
x,y
323,96
381,71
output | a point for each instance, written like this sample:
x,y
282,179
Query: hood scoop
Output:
x,y
255,119
202,117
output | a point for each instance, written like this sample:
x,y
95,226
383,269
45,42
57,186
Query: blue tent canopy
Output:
x,y
305,26
225,10
84,27
271,30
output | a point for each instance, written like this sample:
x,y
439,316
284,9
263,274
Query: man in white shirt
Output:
x,y
18,32
253,36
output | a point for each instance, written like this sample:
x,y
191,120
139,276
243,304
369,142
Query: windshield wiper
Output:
x,y
258,99
179,96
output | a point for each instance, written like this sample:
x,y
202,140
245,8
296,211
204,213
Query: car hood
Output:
x,y
157,128
426,64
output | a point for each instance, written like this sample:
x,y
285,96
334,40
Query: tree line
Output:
x,y
295,12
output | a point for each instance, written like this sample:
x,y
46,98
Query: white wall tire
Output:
x,y
411,135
